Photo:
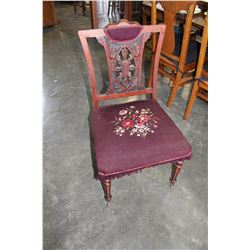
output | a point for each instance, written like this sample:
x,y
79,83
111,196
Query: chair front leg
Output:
x,y
176,168
106,185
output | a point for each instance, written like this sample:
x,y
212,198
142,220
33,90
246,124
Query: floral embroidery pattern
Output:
x,y
135,122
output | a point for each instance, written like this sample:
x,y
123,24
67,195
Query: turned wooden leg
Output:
x,y
176,168
106,185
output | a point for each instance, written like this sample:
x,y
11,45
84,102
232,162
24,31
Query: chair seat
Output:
x,y
152,136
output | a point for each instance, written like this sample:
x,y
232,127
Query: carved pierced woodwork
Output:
x,y
125,62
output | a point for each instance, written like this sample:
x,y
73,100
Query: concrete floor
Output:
x,y
145,213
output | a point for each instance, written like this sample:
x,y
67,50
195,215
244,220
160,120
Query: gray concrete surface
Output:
x,y
145,213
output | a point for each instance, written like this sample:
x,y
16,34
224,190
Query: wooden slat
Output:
x,y
165,73
203,84
203,97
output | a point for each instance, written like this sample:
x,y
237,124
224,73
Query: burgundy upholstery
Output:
x,y
118,155
123,34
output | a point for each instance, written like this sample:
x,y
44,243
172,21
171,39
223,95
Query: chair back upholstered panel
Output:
x,y
124,46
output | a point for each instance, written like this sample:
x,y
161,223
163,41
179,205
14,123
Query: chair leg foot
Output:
x,y
176,168
106,185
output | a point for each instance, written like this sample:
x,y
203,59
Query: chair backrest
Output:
x,y
171,10
124,46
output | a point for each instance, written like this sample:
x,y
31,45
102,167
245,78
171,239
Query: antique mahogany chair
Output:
x,y
200,87
131,136
179,53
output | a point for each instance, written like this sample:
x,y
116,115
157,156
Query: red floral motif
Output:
x,y
135,122
127,123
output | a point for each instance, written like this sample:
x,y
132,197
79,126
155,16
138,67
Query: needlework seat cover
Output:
x,y
131,136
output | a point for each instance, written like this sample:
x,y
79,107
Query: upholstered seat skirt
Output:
x,y
132,136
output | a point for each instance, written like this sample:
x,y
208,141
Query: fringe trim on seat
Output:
x,y
119,175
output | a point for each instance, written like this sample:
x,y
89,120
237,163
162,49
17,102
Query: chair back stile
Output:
x,y
124,46
186,37
92,77
202,55
156,62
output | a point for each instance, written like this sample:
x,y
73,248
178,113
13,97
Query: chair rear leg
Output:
x,y
191,100
106,185
176,168
174,89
